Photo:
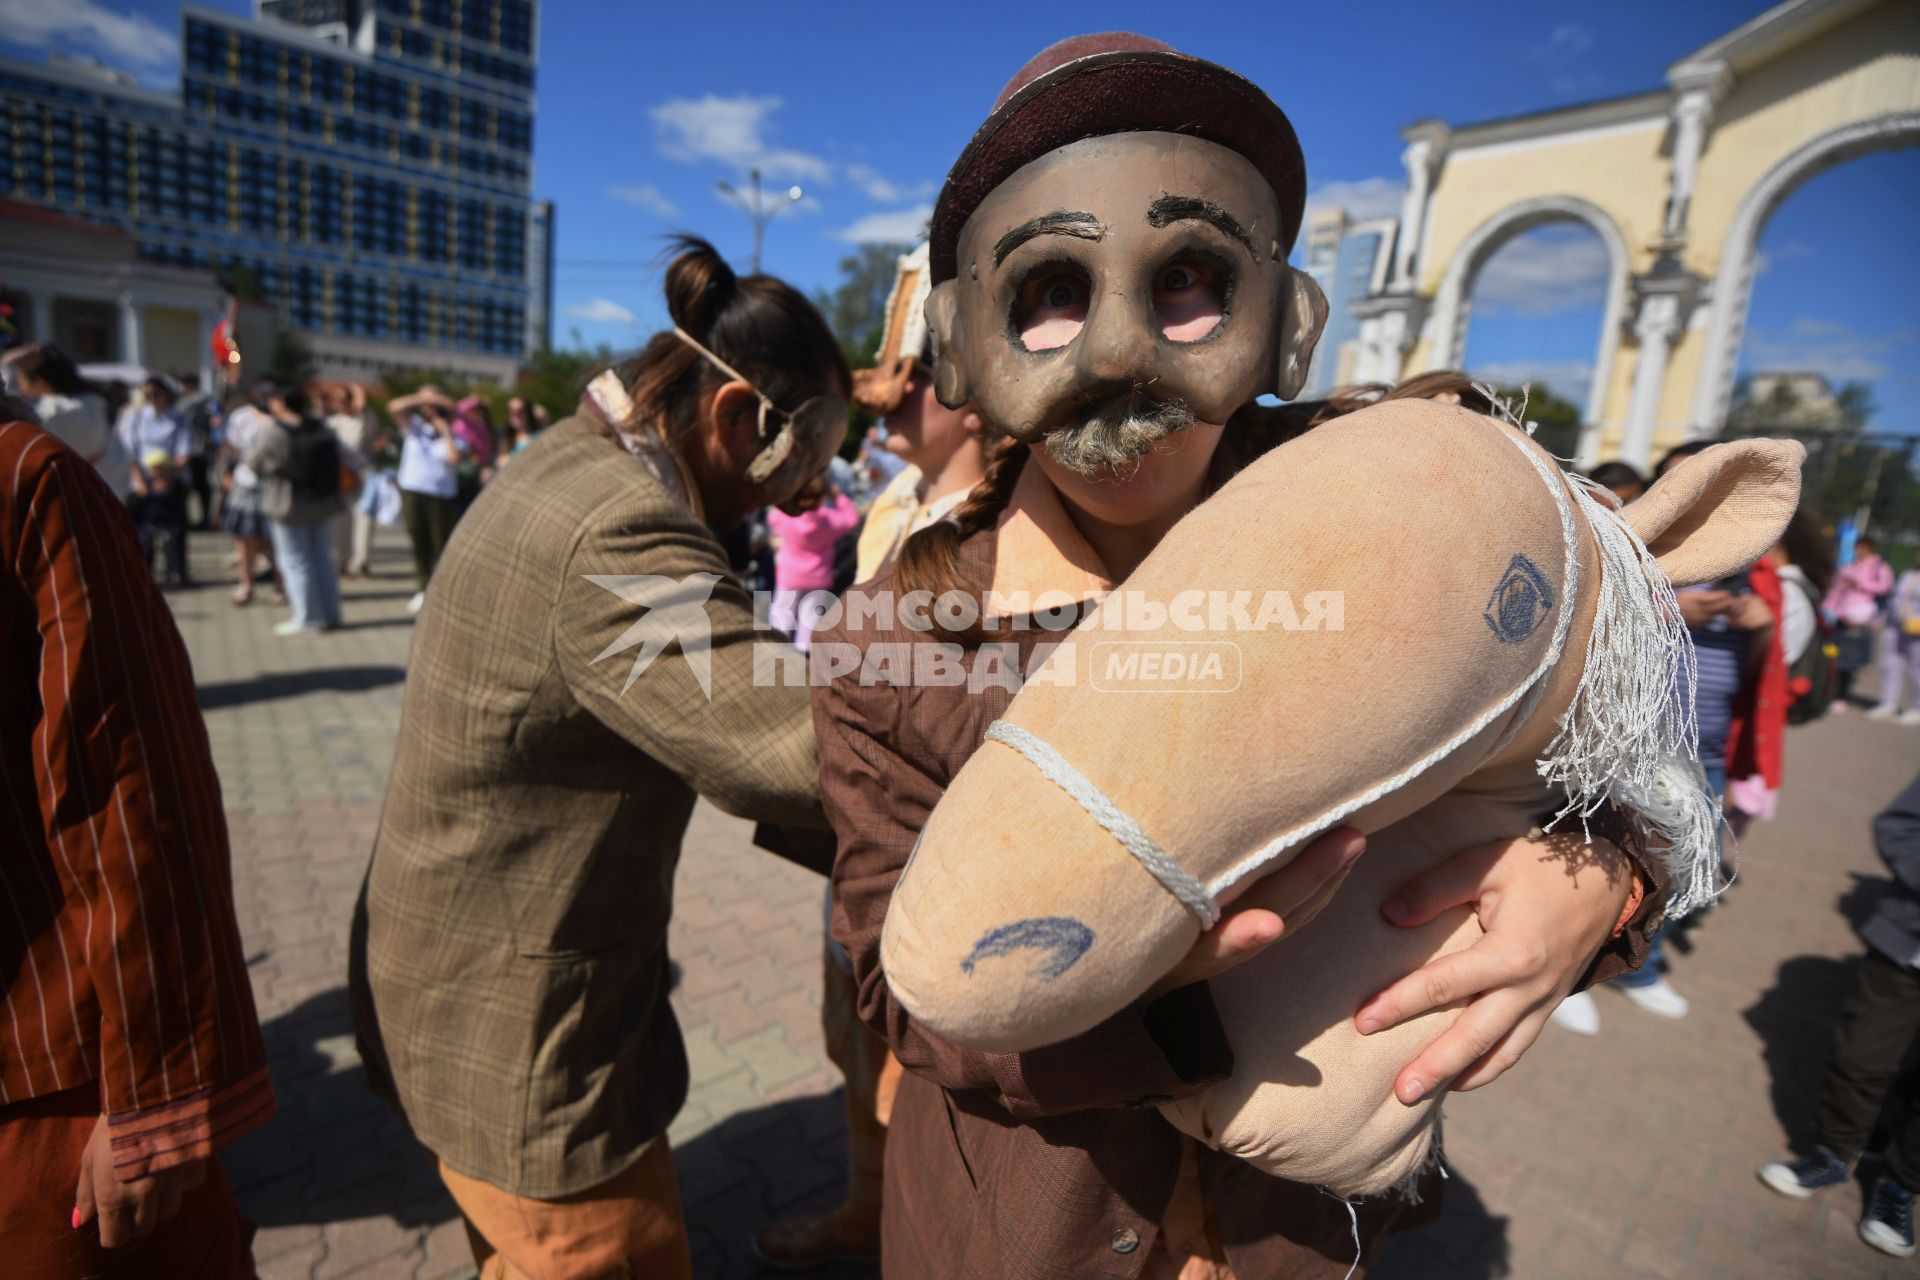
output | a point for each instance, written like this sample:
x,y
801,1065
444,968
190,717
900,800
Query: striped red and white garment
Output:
x,y
120,949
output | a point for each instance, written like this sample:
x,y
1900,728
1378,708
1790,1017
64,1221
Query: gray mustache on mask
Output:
x,y
1117,433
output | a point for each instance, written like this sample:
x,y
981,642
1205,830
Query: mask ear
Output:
x,y
949,380
1302,320
1717,512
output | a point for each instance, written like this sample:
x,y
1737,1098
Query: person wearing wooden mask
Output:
x,y
1111,291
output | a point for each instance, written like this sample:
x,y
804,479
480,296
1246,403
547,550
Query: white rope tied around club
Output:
x,y
1159,863
1524,696
1628,736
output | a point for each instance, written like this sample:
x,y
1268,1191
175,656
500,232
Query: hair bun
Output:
x,y
700,284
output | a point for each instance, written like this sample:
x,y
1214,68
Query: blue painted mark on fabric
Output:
x,y
1521,602
1063,938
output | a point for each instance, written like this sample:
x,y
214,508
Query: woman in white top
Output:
x,y
243,513
71,410
1806,571
429,485
353,425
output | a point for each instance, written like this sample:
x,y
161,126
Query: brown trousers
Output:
x,y
873,1075
628,1226
41,1141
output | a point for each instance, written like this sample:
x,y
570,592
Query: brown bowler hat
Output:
x,y
1118,82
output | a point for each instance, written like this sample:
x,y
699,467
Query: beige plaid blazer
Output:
x,y
509,965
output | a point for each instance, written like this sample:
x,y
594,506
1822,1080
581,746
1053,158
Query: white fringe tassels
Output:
x,y
1630,735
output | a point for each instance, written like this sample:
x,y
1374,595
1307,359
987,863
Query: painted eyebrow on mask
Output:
x,y
1168,210
1060,222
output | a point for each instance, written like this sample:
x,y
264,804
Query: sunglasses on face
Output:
x,y
813,424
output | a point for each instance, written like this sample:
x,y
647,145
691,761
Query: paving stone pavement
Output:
x,y
1628,1155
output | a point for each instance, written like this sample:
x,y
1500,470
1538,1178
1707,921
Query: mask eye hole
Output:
x,y
1188,300
1051,307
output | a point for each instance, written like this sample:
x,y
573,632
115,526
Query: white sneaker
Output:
x,y
1578,1013
1885,711
1658,998
289,628
419,598
1910,718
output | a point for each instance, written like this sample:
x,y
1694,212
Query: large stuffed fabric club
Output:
x,y
1505,640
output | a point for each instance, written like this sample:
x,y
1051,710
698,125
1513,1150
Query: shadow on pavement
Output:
x,y
291,684
778,1160
332,1151
1467,1243
1794,1018
374,624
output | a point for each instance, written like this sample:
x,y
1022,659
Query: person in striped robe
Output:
x,y
130,1050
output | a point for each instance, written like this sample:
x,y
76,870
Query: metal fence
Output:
x,y
1872,479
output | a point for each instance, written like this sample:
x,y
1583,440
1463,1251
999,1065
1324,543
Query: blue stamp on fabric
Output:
x,y
1522,601
1063,938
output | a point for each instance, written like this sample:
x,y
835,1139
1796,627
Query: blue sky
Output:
x,y
644,107
1833,294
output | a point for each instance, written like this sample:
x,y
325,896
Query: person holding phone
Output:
x,y
1733,634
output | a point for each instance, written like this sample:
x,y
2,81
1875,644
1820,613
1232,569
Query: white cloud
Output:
x,y
1556,268
1839,351
646,196
1568,379
126,37
1366,198
739,200
1588,83
1764,260
732,131
1562,53
877,186
599,311
896,226
1569,39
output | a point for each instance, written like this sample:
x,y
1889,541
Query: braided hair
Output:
x,y
930,559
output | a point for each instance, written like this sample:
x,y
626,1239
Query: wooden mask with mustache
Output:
x,y
1132,263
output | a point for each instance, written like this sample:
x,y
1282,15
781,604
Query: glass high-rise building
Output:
x,y
365,165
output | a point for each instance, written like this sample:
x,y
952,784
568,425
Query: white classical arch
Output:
x,y
1732,294
1456,287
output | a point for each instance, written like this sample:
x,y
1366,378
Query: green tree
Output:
x,y
857,307
1558,419
1778,408
1544,407
1854,405
240,280
555,379
551,379
856,311
291,362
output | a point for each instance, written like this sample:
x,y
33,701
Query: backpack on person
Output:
x,y
313,465
1813,679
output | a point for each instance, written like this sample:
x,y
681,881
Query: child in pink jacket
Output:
x,y
804,533
1853,604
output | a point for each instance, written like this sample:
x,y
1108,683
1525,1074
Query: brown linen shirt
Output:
x,y
1052,1162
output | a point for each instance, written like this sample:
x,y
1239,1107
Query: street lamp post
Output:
x,y
759,209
